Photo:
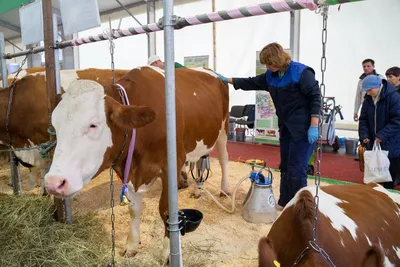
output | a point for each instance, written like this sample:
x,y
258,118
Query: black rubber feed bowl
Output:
x,y
190,220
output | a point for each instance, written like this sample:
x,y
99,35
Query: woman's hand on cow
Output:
x,y
223,78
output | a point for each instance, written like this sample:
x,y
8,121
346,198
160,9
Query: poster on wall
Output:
x,y
196,61
266,126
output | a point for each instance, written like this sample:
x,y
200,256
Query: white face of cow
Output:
x,y
83,135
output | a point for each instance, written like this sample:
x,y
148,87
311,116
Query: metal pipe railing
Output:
x,y
181,22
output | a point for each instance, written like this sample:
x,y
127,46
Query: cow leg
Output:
x,y
43,172
135,212
223,160
32,176
163,209
183,183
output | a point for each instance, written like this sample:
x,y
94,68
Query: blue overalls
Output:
x,y
296,97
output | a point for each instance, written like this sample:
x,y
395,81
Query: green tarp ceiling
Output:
x,y
7,5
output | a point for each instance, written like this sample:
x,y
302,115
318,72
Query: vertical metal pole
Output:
x,y
56,56
168,22
50,82
151,18
13,166
295,34
76,54
67,203
214,38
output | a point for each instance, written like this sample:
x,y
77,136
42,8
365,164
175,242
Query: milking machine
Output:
x,y
330,110
259,204
202,165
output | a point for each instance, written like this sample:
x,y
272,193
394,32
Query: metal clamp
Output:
x,y
176,21
56,45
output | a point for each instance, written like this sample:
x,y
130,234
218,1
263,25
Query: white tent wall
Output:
x,y
192,40
360,30
238,40
11,49
243,37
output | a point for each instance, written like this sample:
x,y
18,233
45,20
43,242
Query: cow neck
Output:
x,y
128,163
4,103
4,99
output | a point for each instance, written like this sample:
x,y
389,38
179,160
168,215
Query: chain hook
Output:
x,y
313,244
110,34
11,96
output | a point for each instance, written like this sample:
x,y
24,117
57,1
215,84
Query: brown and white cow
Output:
x,y
90,122
29,115
357,225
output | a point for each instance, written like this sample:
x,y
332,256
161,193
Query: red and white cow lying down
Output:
x,y
358,225
90,122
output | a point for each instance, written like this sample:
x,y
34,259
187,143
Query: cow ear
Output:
x,y
373,257
132,116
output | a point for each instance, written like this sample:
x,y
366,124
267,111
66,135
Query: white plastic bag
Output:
x,y
376,165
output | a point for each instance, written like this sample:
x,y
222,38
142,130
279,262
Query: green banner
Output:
x,y
7,5
336,2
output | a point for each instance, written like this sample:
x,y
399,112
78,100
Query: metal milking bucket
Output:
x,y
259,204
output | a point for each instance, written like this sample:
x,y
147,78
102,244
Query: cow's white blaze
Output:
x,y
83,137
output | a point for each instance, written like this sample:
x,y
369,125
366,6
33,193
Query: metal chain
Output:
x,y
11,96
322,87
112,199
111,47
44,148
312,244
110,34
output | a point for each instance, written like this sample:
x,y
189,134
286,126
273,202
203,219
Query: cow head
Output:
x,y
88,125
267,256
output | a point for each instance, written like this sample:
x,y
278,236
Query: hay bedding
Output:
x,y
222,239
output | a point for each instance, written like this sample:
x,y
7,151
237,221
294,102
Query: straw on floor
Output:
x,y
29,236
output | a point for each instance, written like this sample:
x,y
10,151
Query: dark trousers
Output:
x,y
394,170
293,167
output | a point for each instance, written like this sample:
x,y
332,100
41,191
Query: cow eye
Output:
x,y
93,126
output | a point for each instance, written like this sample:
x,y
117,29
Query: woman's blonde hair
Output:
x,y
274,55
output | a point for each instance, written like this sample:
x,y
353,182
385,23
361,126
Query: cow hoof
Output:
x,y
195,195
223,195
128,253
166,262
183,184
184,176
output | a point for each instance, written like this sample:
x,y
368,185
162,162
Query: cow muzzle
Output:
x,y
57,186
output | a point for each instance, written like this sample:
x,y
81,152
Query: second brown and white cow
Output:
x,y
29,116
90,122
358,225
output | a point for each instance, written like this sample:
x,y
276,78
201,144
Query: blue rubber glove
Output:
x,y
312,134
224,79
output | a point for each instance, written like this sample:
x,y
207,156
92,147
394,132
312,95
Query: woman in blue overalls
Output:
x,y
297,100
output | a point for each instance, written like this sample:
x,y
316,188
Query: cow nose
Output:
x,y
56,185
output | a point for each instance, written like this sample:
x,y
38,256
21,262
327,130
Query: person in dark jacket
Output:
x,y
393,76
380,121
297,99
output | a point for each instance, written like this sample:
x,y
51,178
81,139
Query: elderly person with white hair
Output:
x,y
155,61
